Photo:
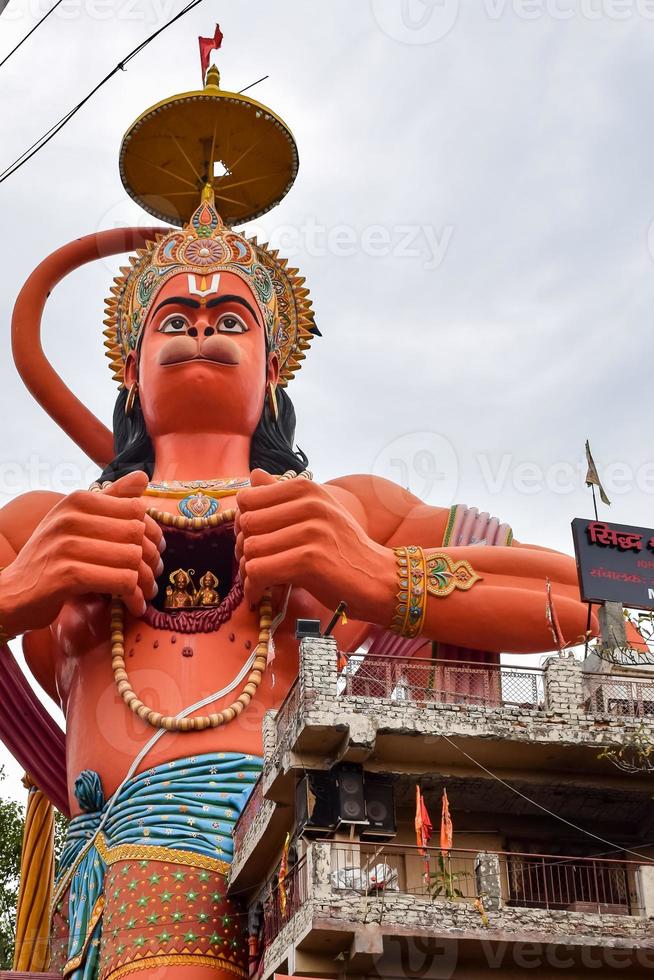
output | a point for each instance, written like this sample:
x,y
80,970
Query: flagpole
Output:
x,y
592,481
590,606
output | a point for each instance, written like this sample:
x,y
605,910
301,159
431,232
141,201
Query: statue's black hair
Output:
x,y
271,448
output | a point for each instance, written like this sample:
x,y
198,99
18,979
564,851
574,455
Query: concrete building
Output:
x,y
552,864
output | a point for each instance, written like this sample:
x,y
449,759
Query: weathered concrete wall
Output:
x,y
252,836
396,914
420,916
564,721
317,706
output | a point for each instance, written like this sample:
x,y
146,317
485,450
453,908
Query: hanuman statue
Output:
x,y
205,329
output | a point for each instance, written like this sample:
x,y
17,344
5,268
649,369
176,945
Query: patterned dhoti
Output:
x,y
150,889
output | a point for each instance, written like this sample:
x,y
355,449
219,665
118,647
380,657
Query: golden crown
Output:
x,y
204,246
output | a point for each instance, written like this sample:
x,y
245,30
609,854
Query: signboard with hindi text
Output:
x,y
615,562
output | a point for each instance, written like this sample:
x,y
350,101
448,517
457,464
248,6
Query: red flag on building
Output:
x,y
207,45
423,822
446,824
552,618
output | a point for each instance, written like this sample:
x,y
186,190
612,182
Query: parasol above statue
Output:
x,y
226,139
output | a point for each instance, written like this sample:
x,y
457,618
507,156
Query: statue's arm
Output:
x,y
54,548
18,520
506,609
337,542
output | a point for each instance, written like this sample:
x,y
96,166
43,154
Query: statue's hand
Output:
x,y
101,543
296,532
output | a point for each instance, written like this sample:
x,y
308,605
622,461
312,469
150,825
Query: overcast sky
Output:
x,y
472,214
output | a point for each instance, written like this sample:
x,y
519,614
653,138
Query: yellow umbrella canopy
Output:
x,y
213,137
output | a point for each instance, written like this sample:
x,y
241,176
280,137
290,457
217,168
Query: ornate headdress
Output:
x,y
168,155
204,247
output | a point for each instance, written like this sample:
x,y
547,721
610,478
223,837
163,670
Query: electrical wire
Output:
x,y
29,33
58,126
540,806
252,84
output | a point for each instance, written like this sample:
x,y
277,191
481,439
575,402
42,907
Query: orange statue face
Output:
x,y
202,360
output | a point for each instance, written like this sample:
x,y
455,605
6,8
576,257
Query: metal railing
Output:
x,y
542,881
427,682
373,869
571,884
249,812
285,725
283,901
615,694
525,880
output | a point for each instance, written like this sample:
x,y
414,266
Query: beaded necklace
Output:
x,y
260,656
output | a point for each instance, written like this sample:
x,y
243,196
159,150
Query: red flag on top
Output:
x,y
207,45
423,823
446,824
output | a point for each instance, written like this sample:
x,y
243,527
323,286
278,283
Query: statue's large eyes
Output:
x,y
231,323
174,324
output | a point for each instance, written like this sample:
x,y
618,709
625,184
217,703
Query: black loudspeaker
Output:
x,y
351,797
315,804
380,808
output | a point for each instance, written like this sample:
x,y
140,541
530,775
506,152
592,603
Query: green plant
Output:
x,y
443,883
11,839
634,755
12,822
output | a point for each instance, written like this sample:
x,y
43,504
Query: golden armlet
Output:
x,y
420,575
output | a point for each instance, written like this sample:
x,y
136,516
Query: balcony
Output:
x,y
355,900
619,696
415,717
427,683
559,716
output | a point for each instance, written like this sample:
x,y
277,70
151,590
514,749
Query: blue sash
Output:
x,y
186,805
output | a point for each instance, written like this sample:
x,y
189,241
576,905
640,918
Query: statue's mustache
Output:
x,y
216,347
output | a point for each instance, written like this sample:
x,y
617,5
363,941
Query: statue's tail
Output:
x,y
50,391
